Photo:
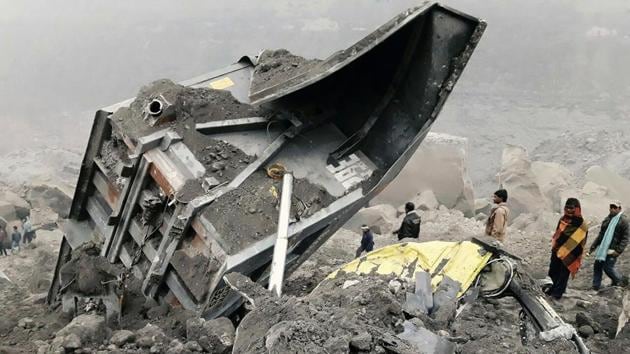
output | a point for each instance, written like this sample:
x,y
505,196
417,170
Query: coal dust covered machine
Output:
x,y
180,185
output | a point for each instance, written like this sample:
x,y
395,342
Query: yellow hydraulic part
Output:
x,y
461,261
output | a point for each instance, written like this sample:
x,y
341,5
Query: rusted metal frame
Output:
x,y
177,226
106,189
95,141
111,247
172,280
232,125
182,218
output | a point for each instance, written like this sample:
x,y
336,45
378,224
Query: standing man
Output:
x,y
15,240
496,226
4,238
410,227
27,230
609,244
367,241
567,247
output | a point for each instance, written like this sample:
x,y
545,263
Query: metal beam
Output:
x,y
232,125
111,247
87,166
280,249
177,226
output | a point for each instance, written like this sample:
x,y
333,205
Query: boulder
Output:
x,y
88,328
516,176
71,342
44,196
12,206
44,218
439,165
425,201
122,337
150,336
618,187
214,336
553,179
380,219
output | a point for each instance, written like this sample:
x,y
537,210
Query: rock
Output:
x,y
122,337
380,219
44,218
217,166
12,206
43,349
26,323
414,305
158,311
362,341
447,176
617,186
216,336
516,176
394,286
89,328
72,342
193,346
150,335
426,201
425,341
45,196
349,283
176,347
586,331
552,179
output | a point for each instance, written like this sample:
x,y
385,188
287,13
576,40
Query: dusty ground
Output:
x,y
29,272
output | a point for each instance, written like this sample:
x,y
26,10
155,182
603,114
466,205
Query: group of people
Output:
x,y
12,243
409,228
568,243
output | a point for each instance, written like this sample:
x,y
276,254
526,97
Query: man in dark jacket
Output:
x,y
410,227
15,240
609,244
4,240
367,241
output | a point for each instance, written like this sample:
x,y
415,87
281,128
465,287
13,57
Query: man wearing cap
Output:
x,y
496,226
609,244
367,241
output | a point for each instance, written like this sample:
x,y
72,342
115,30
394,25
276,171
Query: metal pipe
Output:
x,y
280,249
154,108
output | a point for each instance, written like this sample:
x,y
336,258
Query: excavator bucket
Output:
x,y
180,185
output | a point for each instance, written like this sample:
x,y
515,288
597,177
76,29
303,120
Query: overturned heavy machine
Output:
x,y
180,185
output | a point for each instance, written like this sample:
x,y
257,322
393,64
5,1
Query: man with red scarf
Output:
x,y
567,247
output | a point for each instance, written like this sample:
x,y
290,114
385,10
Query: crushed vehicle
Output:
x,y
180,185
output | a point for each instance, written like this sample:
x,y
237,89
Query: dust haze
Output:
x,y
542,67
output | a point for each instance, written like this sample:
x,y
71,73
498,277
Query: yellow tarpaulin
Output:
x,y
461,261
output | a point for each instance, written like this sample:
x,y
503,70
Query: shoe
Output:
x,y
595,288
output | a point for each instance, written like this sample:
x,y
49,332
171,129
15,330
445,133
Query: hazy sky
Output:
x,y
61,60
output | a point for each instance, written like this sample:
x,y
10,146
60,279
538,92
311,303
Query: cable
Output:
x,y
505,284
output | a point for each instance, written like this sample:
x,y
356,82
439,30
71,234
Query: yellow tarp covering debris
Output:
x,y
461,261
